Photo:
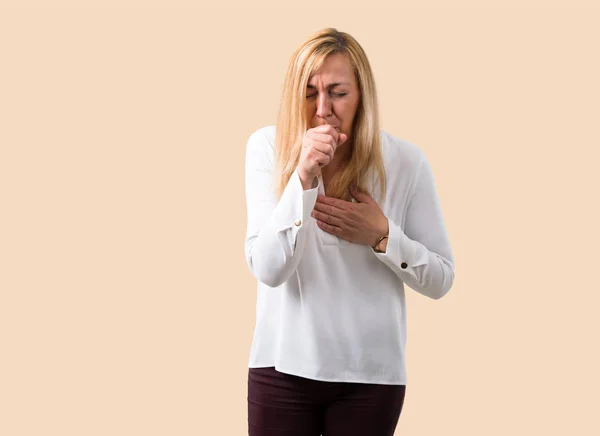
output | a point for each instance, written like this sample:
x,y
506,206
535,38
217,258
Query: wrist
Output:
x,y
381,242
307,182
383,245
386,228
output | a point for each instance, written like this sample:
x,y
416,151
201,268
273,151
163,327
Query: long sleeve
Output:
x,y
276,230
421,255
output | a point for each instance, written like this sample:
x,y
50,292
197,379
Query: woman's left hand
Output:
x,y
361,223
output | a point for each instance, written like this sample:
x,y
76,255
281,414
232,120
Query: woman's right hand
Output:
x,y
318,148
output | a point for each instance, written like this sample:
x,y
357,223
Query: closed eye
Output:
x,y
335,94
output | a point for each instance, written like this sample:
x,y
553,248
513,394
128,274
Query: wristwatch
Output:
x,y
376,246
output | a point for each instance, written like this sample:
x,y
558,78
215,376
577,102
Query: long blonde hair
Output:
x,y
291,125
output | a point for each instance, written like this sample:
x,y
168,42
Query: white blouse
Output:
x,y
328,309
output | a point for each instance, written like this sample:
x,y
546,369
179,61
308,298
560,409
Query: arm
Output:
x,y
421,255
276,230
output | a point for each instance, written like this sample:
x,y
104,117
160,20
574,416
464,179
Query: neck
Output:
x,y
339,159
341,155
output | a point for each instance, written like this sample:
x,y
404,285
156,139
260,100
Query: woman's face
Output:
x,y
332,95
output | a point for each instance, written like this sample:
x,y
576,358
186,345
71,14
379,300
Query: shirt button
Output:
x,y
403,265
298,222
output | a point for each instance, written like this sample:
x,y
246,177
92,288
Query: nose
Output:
x,y
324,106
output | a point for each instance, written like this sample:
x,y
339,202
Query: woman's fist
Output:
x,y
318,148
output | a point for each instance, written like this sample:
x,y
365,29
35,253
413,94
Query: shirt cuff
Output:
x,y
401,253
296,205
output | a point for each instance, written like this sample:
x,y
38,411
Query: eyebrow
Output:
x,y
328,86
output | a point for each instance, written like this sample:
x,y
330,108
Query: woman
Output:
x,y
341,215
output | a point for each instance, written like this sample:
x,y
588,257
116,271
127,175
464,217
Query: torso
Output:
x,y
345,315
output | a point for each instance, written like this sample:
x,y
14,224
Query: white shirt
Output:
x,y
328,309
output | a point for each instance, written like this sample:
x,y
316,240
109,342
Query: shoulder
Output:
x,y
400,156
264,135
261,143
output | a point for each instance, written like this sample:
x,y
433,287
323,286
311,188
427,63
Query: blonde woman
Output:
x,y
341,215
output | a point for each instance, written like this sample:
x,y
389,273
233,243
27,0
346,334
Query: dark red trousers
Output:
x,y
287,405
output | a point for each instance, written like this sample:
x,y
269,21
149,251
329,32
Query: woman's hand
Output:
x,y
318,149
361,223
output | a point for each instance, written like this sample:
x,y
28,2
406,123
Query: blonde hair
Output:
x,y
291,125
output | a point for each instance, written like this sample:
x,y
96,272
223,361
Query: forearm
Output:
x,y
420,253
425,271
273,255
274,251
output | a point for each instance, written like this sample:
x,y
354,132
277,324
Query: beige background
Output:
x,y
126,305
